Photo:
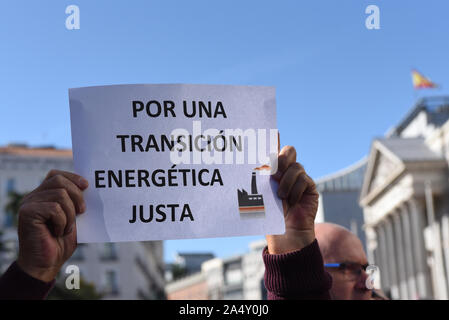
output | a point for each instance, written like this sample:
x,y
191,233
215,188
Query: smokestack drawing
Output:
x,y
251,205
253,184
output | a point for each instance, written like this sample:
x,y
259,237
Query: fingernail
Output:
x,y
83,207
83,183
70,229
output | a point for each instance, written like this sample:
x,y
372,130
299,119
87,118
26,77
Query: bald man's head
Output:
x,y
338,244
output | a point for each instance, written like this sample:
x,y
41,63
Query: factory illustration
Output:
x,y
251,205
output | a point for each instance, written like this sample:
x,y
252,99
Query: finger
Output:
x,y
62,197
311,186
76,179
60,181
57,218
288,179
70,243
310,193
298,189
286,157
48,213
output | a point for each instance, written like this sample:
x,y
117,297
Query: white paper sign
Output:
x,y
175,161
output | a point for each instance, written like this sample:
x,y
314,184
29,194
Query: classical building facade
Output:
x,y
405,200
128,270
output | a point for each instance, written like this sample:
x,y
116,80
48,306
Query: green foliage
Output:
x,y
13,205
87,291
11,208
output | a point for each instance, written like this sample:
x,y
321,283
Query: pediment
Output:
x,y
383,167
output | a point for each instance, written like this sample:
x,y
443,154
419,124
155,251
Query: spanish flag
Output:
x,y
421,82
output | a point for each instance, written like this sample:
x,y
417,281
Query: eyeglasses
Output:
x,y
351,270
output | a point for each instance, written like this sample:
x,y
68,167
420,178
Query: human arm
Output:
x,y
293,263
47,235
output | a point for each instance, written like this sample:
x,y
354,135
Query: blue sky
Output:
x,y
338,84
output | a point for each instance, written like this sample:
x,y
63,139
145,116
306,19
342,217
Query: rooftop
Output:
x,y
410,149
42,151
436,107
347,179
195,254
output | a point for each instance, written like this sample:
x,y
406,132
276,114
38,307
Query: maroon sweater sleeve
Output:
x,y
15,284
297,275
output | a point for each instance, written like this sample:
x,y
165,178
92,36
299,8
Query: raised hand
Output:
x,y
300,202
47,228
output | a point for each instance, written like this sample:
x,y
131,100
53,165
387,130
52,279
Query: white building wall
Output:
x,y
213,271
418,127
253,271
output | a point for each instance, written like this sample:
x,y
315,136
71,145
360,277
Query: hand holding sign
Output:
x,y
47,229
300,202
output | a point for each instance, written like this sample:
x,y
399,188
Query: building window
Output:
x,y
110,282
10,185
234,276
109,252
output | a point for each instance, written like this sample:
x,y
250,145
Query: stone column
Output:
x,y
408,251
420,254
372,244
392,261
383,256
445,244
400,256
438,263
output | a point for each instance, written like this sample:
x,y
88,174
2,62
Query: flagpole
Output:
x,y
415,93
